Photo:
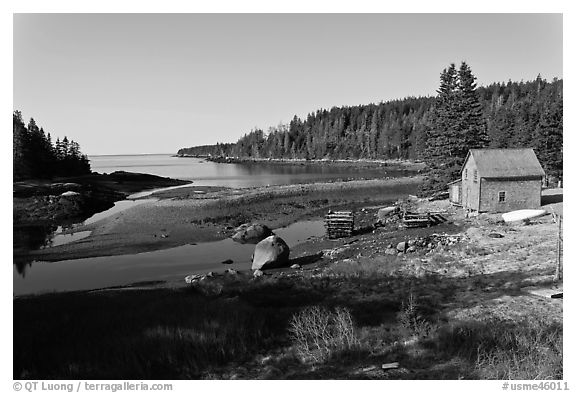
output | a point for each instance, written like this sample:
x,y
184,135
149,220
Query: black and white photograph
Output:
x,y
287,196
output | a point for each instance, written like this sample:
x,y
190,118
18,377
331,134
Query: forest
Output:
x,y
512,114
36,156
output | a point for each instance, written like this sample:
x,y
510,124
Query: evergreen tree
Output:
x,y
549,141
471,123
458,125
442,143
34,155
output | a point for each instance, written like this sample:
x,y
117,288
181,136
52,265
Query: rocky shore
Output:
x,y
40,206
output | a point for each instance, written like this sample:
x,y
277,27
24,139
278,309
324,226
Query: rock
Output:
x,y
258,273
228,262
191,278
209,274
401,247
70,194
390,251
411,243
232,272
390,245
495,235
386,211
411,249
295,266
272,252
251,233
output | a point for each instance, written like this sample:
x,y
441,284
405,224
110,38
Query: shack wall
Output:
x,y
470,187
519,194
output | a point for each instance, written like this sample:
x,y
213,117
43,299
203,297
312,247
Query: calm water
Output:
x,y
206,173
175,263
170,264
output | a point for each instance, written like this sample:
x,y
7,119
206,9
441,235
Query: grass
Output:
x,y
526,349
281,205
351,316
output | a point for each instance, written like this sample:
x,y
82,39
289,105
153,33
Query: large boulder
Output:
x,y
251,233
270,253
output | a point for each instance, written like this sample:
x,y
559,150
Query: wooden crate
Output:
x,y
339,224
418,220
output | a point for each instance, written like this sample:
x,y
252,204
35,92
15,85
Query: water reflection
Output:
x,y
169,264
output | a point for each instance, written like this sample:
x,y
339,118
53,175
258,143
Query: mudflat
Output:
x,y
198,214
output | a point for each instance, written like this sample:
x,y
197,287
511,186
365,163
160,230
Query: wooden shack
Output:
x,y
455,192
501,180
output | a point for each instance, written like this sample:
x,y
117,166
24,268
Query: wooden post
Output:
x,y
558,274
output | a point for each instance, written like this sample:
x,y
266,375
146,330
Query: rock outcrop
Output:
x,y
251,233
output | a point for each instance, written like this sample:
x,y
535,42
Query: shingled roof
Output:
x,y
503,163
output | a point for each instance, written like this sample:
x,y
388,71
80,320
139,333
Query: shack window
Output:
x,y
502,196
475,175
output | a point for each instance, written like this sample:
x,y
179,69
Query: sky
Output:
x,y
154,83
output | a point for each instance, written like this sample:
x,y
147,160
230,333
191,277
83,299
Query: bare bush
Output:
x,y
413,324
319,333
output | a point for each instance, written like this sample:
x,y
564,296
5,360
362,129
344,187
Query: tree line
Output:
x,y
36,156
501,115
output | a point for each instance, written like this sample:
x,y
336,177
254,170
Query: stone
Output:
x,y
401,247
270,253
251,233
70,194
258,273
390,251
232,272
191,278
295,266
386,212
495,235
411,249
411,243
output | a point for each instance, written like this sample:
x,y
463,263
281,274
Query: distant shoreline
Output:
x,y
406,164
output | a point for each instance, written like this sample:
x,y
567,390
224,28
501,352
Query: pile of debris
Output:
x,y
429,243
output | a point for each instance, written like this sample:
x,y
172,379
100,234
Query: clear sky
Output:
x,y
153,83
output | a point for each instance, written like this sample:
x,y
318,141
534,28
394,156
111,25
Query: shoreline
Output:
x,y
359,162
462,292
181,216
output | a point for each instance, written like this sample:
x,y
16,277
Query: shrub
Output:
x,y
529,349
413,324
319,333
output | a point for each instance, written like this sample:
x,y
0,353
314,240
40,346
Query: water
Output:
x,y
175,263
170,264
206,173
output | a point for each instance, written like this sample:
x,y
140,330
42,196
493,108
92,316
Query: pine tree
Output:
x,y
471,123
457,126
549,147
441,138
